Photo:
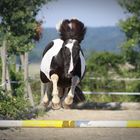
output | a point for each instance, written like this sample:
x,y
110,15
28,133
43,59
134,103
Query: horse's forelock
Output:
x,y
72,29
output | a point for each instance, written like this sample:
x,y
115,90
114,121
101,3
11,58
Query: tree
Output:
x,y
19,28
131,28
18,23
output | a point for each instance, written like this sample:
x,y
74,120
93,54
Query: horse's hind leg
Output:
x,y
56,99
69,98
47,90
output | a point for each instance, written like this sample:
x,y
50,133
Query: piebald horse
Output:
x,y
63,65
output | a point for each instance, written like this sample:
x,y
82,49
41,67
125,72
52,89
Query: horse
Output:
x,y
63,65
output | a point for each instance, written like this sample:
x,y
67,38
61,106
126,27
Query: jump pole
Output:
x,y
69,124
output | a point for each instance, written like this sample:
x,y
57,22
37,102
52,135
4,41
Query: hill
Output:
x,y
96,39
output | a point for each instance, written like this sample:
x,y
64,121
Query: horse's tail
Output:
x,y
79,95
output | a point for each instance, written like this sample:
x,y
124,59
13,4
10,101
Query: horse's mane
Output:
x,y
72,29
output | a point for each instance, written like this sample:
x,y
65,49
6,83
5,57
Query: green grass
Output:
x,y
112,98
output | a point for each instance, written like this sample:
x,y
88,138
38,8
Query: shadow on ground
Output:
x,y
108,106
98,106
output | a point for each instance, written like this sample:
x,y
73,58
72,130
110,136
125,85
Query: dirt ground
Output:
x,y
78,133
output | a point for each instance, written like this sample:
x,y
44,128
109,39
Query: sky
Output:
x,y
93,13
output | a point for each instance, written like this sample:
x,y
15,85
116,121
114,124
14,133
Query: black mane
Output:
x,y
72,29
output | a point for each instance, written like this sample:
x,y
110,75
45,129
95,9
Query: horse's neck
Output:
x,y
59,58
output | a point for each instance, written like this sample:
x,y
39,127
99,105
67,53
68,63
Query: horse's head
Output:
x,y
71,55
72,33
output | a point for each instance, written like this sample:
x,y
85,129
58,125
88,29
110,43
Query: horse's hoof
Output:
x,y
67,103
66,106
56,106
45,101
45,104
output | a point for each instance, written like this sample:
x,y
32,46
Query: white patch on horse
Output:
x,y
47,58
69,45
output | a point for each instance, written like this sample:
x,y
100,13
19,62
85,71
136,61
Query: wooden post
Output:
x,y
27,88
3,57
22,61
6,82
30,95
26,75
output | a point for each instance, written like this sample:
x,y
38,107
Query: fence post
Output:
x,y
3,57
6,83
27,88
21,67
30,96
25,75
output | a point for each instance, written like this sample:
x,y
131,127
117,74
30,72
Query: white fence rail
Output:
x,y
112,93
116,79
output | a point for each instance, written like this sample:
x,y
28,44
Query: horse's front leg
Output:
x,y
45,99
69,98
55,100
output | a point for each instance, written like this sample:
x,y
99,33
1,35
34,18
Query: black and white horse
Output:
x,y
63,65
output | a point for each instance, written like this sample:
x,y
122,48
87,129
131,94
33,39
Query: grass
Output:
x,y
112,98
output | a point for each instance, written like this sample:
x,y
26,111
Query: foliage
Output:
x,y
18,28
102,67
36,85
131,28
13,107
18,23
99,63
17,81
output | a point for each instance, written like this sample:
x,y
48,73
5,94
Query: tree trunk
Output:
x,y
6,83
3,57
30,95
25,74
27,88
22,61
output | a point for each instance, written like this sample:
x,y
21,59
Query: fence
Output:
x,y
75,123
69,124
